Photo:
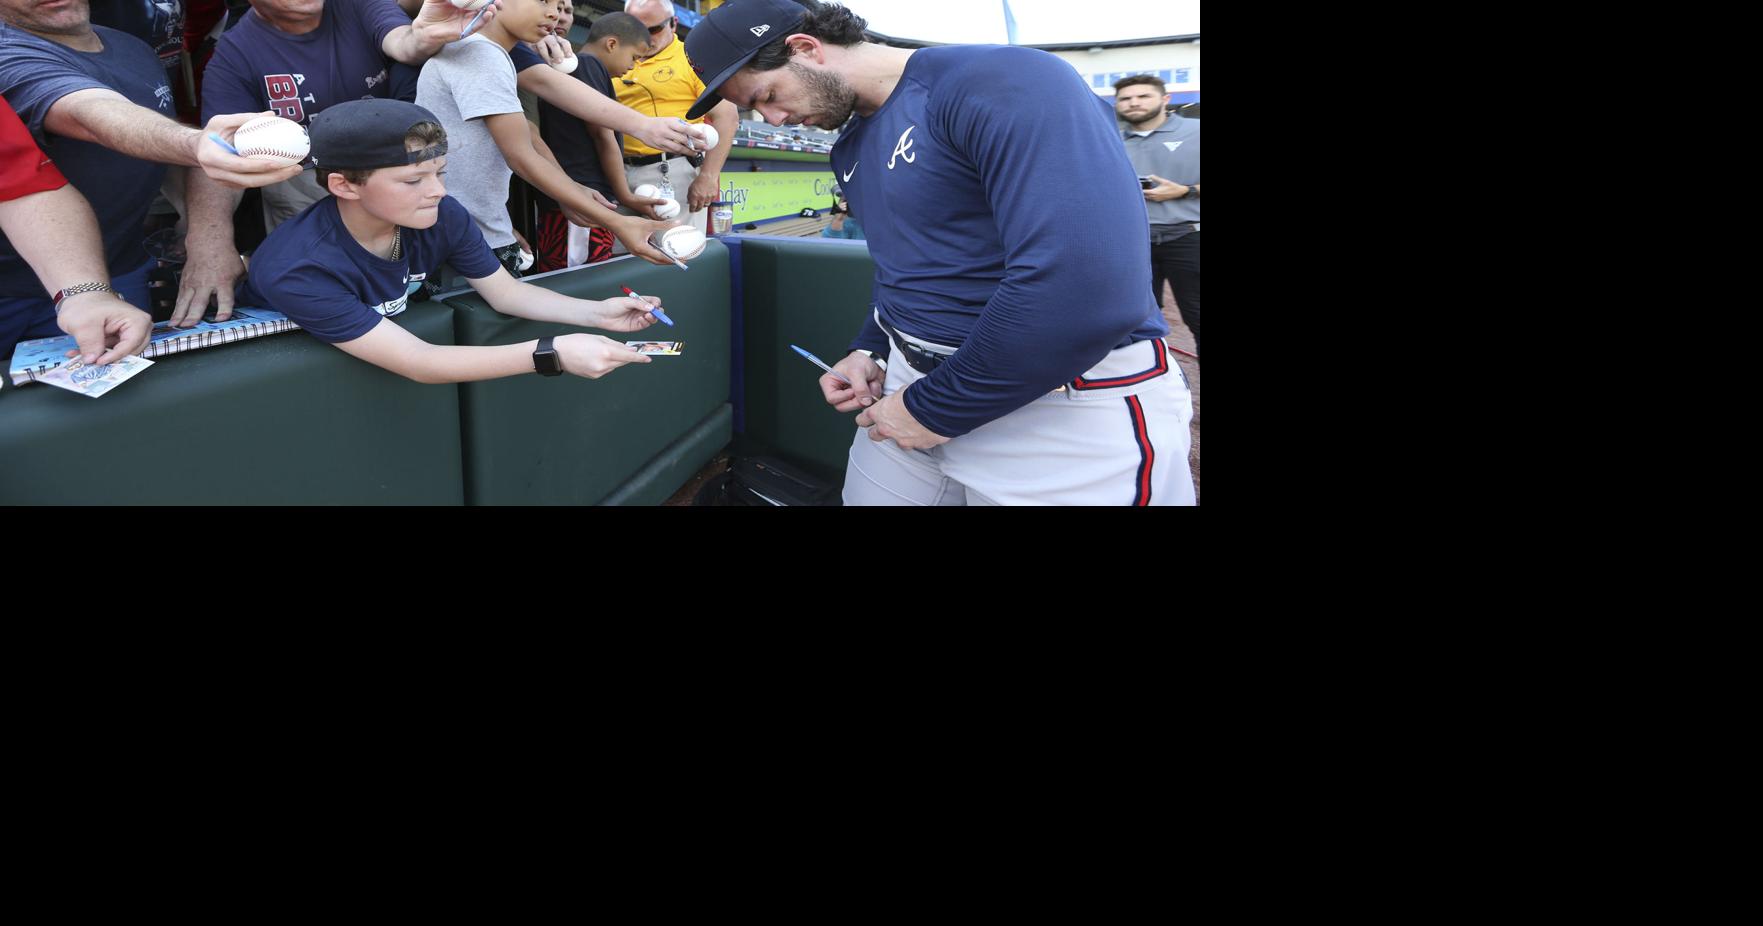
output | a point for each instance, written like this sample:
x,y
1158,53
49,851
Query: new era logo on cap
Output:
x,y
729,36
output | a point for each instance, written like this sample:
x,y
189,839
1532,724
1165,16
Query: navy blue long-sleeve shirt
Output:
x,y
1004,219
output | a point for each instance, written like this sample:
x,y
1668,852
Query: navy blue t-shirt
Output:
x,y
257,67
1004,219
570,138
34,74
313,271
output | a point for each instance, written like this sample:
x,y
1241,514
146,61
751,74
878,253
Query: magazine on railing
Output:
x,y
33,358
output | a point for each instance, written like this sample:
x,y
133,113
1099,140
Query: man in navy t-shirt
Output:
x,y
294,58
350,261
1026,362
97,101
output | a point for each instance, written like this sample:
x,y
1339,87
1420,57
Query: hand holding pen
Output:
x,y
654,310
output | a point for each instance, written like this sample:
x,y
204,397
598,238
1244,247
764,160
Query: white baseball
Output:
x,y
567,65
272,138
682,241
710,136
666,210
468,4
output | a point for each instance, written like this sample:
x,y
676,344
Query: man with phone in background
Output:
x,y
1165,152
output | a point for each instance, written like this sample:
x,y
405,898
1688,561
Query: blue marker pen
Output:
x,y
655,311
819,363
222,142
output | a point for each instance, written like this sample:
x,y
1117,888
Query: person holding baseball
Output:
x,y
99,101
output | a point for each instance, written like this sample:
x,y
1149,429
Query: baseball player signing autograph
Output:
x,y
1025,355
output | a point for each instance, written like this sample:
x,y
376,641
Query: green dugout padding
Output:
x,y
278,420
812,292
633,436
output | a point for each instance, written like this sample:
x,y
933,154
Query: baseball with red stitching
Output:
x,y
666,210
681,241
272,138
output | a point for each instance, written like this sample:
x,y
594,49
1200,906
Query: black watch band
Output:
x,y
545,359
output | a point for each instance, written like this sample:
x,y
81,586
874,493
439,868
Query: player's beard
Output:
x,y
831,99
1141,119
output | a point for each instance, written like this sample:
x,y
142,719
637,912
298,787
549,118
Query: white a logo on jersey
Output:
x,y
901,148
850,172
1172,145
759,30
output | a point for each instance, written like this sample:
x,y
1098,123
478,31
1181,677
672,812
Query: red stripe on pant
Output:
x,y
1147,455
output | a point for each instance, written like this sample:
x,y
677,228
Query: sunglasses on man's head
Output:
x,y
656,30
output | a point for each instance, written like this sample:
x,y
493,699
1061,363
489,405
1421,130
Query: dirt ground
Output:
x,y
1179,337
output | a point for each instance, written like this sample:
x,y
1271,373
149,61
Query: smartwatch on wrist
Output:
x,y
545,359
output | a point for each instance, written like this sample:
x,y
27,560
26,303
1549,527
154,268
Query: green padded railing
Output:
x,y
278,420
532,440
811,292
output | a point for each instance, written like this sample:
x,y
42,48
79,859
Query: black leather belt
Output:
x,y
646,159
917,358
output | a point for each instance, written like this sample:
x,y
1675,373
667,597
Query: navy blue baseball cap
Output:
x,y
369,134
729,36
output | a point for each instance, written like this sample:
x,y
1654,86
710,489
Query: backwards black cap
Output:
x,y
729,36
369,134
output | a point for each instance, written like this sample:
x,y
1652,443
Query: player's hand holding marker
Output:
x,y
862,386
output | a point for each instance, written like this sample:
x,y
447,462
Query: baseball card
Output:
x,y
75,376
657,348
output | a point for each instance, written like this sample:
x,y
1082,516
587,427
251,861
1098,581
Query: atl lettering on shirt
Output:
x,y
257,67
1021,246
34,75
313,271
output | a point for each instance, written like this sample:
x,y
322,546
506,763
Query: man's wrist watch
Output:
x,y
1193,192
881,359
78,288
545,359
